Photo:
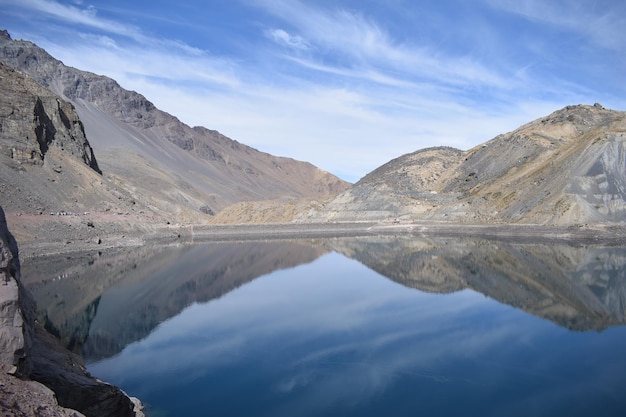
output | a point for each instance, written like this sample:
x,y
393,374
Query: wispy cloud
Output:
x,y
88,18
358,42
282,37
601,22
318,80
124,51
85,16
128,63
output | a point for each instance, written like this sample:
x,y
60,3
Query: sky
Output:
x,y
347,84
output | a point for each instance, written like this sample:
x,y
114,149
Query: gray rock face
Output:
x,y
46,161
33,119
29,352
16,324
566,168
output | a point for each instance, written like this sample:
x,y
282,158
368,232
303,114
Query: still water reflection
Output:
x,y
351,327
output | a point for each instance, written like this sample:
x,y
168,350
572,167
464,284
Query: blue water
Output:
x,y
335,338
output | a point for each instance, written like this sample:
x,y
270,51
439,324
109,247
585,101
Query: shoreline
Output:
x,y
53,238
611,234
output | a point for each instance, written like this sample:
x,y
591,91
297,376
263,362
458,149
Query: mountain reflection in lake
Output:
x,y
190,331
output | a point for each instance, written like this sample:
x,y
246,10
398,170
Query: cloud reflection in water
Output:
x,y
336,338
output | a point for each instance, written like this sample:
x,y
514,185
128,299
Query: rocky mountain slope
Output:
x,y
47,166
44,153
566,168
154,159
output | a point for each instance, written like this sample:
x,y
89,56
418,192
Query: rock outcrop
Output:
x,y
46,162
16,325
566,168
38,377
33,119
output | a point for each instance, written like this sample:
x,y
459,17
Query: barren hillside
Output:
x,y
566,168
46,162
156,158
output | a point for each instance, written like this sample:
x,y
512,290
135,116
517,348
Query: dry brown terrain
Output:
x,y
566,168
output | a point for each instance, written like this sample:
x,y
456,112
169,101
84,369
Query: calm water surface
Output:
x,y
327,335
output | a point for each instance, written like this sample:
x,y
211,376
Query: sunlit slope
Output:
x,y
566,168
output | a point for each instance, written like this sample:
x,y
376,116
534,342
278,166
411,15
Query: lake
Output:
x,y
348,327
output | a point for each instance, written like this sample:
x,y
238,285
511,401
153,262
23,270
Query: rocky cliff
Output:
x,y
33,119
47,166
566,168
38,376
158,159
16,326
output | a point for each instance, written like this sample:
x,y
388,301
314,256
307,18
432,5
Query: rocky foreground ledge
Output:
x,y
38,376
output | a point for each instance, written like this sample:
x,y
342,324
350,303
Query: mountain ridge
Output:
x,y
565,168
214,171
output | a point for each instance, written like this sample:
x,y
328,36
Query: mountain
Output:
x,y
152,158
565,168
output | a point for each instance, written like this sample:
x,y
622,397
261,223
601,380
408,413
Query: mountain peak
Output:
x,y
564,168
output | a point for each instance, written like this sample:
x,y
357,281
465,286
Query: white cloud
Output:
x,y
101,40
360,42
282,37
82,16
88,18
103,55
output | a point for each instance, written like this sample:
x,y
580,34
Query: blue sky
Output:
x,y
346,84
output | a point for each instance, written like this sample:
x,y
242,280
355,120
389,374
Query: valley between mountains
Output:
x,y
83,160
87,165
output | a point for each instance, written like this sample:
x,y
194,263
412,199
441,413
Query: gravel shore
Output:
x,y
45,235
582,234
